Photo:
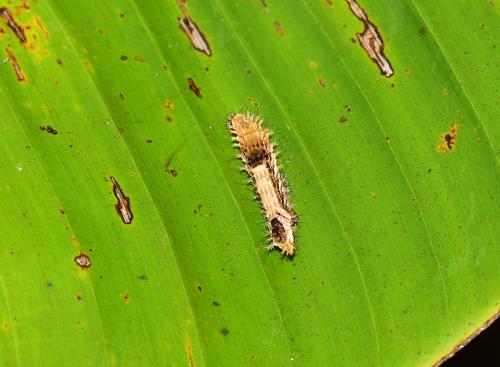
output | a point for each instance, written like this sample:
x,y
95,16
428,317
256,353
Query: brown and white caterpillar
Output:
x,y
259,159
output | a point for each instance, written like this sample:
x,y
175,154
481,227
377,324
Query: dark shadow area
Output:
x,y
482,351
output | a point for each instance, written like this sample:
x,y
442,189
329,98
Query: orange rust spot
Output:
x,y
196,90
23,7
18,29
448,140
17,69
279,28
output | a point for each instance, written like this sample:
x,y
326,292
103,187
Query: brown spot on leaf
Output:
x,y
139,58
123,57
196,90
123,204
78,297
224,331
279,28
83,261
17,69
448,140
49,129
253,101
329,2
8,18
59,61
126,297
322,82
149,141
41,26
196,37
23,7
342,119
189,352
370,40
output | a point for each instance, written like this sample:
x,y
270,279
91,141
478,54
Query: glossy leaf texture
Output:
x,y
397,259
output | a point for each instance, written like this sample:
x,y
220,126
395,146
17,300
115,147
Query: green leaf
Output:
x,y
397,259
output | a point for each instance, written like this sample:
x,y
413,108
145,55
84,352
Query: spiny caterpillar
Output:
x,y
259,161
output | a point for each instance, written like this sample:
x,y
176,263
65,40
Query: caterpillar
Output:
x,y
259,161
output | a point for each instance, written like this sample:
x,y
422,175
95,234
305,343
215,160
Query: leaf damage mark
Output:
x,y
449,139
196,37
196,90
322,82
370,40
279,28
468,339
123,203
17,69
83,261
18,29
189,352
49,129
41,26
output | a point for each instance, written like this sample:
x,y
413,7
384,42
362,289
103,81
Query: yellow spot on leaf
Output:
x,y
448,139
